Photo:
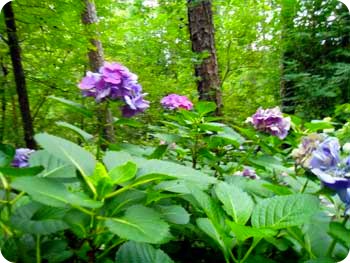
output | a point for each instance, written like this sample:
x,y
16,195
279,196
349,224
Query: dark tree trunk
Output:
x,y
3,101
96,59
19,76
200,22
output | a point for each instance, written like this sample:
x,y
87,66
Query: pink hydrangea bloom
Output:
x,y
174,101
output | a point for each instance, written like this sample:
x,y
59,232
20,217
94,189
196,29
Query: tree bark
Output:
x,y
3,101
201,27
95,54
20,80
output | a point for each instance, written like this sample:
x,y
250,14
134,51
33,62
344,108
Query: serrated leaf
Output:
x,y
113,159
134,252
69,152
53,166
204,107
51,192
285,211
175,214
34,218
25,171
340,232
141,224
237,203
242,233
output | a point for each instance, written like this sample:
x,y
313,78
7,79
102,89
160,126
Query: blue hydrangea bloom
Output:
x,y
21,157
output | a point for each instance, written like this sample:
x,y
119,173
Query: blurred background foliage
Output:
x,y
270,52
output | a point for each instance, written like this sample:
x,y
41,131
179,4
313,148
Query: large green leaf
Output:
x,y
82,134
68,152
25,171
6,154
285,211
172,169
134,252
113,159
51,192
237,203
53,166
141,224
74,106
175,214
35,218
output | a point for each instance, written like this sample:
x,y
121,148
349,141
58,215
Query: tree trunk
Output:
x,y
96,59
200,22
19,76
3,101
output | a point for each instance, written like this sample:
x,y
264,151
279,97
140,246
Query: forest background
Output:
x,y
270,52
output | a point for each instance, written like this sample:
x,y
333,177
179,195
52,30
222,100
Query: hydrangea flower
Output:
x,y
336,180
175,101
21,157
270,121
303,154
250,173
326,156
115,82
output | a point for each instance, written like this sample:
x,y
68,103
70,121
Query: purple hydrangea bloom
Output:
x,y
250,173
327,155
335,179
175,101
115,82
21,157
134,105
270,121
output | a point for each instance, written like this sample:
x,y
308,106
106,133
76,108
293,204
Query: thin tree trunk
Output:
x,y
3,101
200,22
96,59
18,71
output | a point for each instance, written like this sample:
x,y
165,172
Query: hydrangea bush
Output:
x,y
243,193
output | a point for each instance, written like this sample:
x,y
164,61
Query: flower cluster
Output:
x,y
325,162
270,121
115,82
303,154
21,157
174,101
248,173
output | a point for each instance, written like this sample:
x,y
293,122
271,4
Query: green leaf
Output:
x,y
175,214
141,224
285,211
337,230
113,159
101,180
73,106
35,218
237,203
51,192
123,173
83,134
318,125
7,153
25,171
268,162
134,252
204,107
68,152
175,170
242,233
225,243
53,166
159,152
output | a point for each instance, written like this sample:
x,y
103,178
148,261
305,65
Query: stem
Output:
x,y
255,243
110,248
304,186
334,242
38,256
302,243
